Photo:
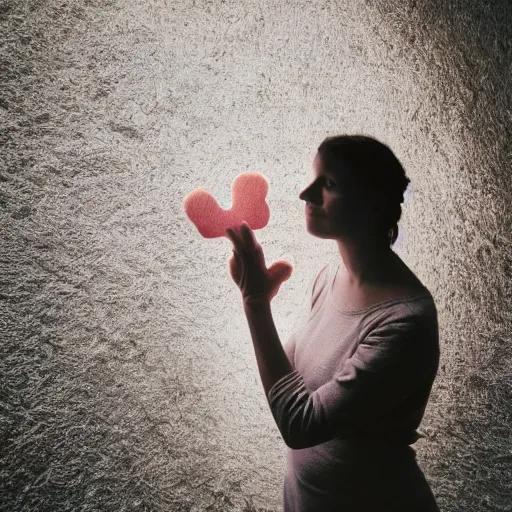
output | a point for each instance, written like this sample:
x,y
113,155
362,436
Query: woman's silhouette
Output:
x,y
353,387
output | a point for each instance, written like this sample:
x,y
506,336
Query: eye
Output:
x,y
329,183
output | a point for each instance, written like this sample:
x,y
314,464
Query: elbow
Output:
x,y
299,419
300,432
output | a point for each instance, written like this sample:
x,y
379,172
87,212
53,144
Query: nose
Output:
x,y
311,194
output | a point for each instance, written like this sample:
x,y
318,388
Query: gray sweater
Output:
x,y
359,387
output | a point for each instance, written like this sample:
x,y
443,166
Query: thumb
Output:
x,y
279,272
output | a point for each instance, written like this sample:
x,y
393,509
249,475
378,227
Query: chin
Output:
x,y
318,233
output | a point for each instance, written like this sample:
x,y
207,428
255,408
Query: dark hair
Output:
x,y
374,170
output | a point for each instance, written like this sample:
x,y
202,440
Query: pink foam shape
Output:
x,y
248,194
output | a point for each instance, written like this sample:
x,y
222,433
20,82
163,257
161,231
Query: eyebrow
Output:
x,y
327,173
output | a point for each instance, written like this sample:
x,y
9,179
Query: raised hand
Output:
x,y
248,268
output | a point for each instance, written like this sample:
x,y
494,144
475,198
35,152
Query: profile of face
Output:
x,y
334,209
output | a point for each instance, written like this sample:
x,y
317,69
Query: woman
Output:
x,y
350,388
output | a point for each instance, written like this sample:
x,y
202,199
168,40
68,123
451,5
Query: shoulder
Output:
x,y
322,277
320,282
408,329
414,314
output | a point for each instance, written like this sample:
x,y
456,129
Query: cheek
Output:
x,y
341,206
349,211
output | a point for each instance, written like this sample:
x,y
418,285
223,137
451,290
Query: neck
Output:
x,y
366,263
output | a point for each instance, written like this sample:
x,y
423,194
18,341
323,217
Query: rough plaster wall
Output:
x,y
466,117
128,375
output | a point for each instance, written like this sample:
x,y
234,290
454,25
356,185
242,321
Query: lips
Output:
x,y
314,213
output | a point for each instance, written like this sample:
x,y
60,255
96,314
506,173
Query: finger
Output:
x,y
234,267
250,242
280,271
236,239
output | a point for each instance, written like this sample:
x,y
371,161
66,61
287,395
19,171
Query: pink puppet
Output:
x,y
249,211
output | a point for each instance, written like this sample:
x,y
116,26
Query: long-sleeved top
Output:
x,y
357,393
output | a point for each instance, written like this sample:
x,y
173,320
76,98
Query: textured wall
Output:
x,y
128,378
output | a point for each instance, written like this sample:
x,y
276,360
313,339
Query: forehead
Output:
x,y
340,172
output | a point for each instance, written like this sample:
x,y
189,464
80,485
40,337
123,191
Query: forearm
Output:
x,y
297,416
273,364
